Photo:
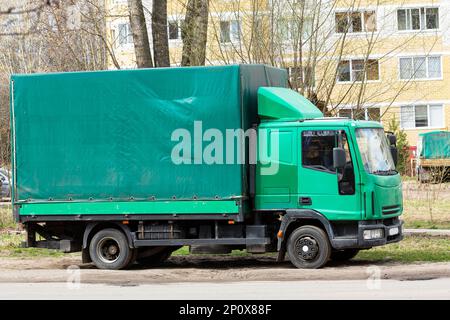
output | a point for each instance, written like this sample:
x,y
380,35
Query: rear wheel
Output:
x,y
308,247
344,255
109,249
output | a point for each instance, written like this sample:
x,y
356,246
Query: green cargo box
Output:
x,y
106,137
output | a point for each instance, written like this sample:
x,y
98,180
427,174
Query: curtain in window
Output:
x,y
420,68
434,67
235,30
407,116
406,68
436,116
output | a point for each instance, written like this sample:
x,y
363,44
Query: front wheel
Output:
x,y
308,247
109,249
344,255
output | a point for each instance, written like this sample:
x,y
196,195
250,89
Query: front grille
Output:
x,y
390,209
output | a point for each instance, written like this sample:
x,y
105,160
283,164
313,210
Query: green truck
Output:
x,y
127,166
433,156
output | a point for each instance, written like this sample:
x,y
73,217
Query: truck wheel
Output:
x,y
308,247
109,249
155,259
344,255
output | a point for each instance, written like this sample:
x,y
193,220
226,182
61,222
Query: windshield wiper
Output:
x,y
385,172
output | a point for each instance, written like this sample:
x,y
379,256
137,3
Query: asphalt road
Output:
x,y
435,289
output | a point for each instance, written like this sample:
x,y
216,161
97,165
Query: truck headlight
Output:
x,y
373,234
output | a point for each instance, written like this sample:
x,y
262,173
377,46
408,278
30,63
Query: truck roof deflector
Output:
x,y
286,104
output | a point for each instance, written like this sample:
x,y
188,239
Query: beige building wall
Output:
x,y
428,97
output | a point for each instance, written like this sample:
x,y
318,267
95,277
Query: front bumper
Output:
x,y
357,241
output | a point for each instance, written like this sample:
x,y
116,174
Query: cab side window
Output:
x,y
317,149
346,175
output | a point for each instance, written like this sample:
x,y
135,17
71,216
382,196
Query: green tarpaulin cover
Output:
x,y
107,134
434,145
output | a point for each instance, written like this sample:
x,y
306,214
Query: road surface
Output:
x,y
435,289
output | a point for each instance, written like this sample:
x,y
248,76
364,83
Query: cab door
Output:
x,y
333,193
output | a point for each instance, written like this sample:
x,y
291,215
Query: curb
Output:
x,y
427,232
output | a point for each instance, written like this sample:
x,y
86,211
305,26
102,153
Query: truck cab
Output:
x,y
337,173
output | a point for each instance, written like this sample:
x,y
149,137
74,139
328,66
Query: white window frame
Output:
x,y
427,78
363,21
428,105
233,39
365,73
178,22
127,45
366,112
422,18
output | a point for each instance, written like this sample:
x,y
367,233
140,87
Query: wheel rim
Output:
x,y
108,250
306,248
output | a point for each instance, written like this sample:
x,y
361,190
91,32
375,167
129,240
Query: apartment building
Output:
x,y
369,59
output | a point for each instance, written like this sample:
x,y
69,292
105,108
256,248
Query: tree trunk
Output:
x,y
159,32
194,33
140,35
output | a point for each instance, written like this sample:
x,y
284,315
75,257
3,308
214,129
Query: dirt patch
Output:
x,y
211,268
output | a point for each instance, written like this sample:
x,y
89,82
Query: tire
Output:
x,y
109,249
308,247
155,259
343,255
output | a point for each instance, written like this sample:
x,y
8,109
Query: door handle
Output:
x,y
305,201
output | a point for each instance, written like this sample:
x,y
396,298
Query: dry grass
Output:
x,y
426,205
6,217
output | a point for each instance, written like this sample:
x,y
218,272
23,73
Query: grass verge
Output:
x,y
411,249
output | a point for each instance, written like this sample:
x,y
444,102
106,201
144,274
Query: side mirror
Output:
x,y
392,139
339,158
394,153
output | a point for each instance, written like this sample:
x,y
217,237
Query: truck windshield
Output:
x,y
375,152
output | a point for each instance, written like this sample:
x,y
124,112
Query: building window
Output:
x,y
125,35
370,114
420,116
353,22
173,30
290,29
356,70
303,75
230,31
418,19
420,67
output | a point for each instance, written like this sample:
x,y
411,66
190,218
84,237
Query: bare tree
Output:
x,y
140,34
49,37
194,33
159,32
